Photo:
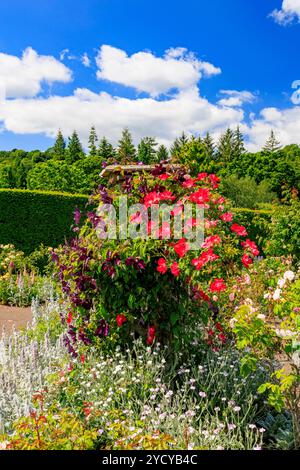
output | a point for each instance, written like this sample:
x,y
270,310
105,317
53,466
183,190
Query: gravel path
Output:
x,y
16,316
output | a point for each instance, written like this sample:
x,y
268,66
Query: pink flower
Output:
x,y
204,258
247,261
189,183
218,285
251,246
136,218
162,266
181,248
239,230
121,319
164,176
211,241
226,217
175,269
201,196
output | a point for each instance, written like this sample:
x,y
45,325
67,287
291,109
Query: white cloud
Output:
x,y
185,110
284,122
290,11
86,60
145,116
236,98
177,69
23,77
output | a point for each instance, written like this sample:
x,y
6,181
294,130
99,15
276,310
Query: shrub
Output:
x,y
151,287
258,223
245,192
29,219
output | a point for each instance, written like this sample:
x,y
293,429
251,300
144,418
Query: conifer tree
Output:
x,y
74,151
272,145
162,153
226,146
178,143
106,150
59,147
239,147
93,139
126,149
147,151
209,146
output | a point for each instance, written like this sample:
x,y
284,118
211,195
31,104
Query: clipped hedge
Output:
x,y
29,218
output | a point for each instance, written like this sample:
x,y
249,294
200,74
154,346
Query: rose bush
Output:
x,y
152,286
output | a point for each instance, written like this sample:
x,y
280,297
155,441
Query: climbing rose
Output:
x,y
162,266
201,196
239,230
181,248
164,176
218,285
247,261
121,319
204,258
151,335
251,246
211,241
226,217
175,269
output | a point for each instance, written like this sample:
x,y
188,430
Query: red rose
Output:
x,y
222,337
251,246
175,269
121,319
247,261
82,358
189,183
239,230
227,217
218,285
211,241
151,331
150,340
181,248
162,266
219,326
164,177
69,318
201,196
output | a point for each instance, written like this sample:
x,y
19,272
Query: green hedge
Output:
x,y
29,218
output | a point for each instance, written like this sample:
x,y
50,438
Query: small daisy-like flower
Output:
x,y
202,394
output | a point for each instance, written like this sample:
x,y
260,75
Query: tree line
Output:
x,y
67,167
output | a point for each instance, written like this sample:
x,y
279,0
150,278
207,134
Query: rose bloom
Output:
x,y
218,285
276,295
121,319
227,217
247,261
239,230
181,248
162,266
175,269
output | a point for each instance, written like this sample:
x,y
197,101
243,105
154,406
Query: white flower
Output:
x,y
277,294
232,322
281,283
202,394
261,316
289,275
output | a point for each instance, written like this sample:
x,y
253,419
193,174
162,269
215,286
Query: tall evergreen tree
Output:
x,y
59,147
209,146
126,149
147,151
93,139
239,147
74,151
162,153
272,145
178,143
106,150
226,146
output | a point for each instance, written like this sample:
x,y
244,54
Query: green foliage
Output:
x,y
59,147
93,139
285,232
258,223
28,218
126,149
245,192
74,150
146,150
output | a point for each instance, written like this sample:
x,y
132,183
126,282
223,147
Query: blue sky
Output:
x,y
252,51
